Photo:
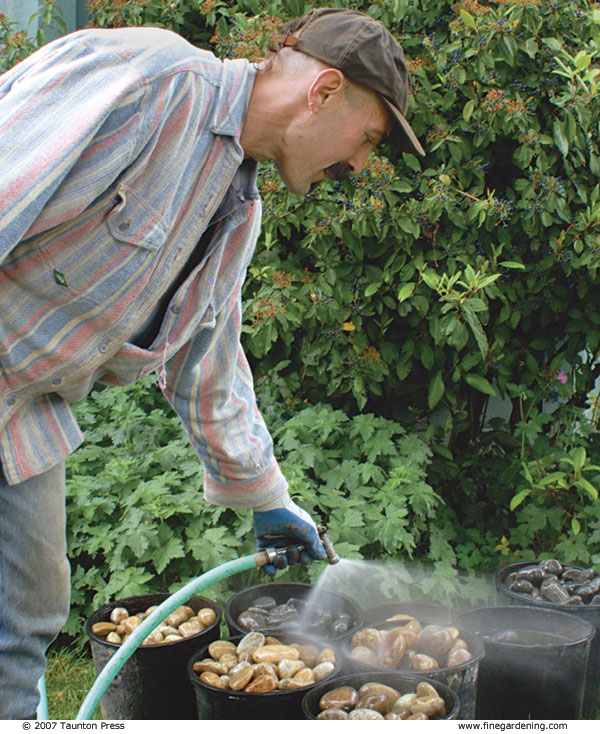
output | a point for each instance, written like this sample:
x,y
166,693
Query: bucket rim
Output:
x,y
470,638
243,695
531,601
409,676
530,608
159,645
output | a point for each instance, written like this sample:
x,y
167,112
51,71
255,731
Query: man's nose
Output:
x,y
359,160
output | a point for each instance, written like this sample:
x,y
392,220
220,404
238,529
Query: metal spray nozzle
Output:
x,y
332,556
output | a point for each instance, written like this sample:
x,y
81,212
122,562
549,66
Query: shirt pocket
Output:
x,y
108,257
132,222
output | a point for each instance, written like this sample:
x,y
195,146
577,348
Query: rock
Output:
x,y
103,628
322,670
288,668
551,566
326,655
118,614
242,677
250,642
305,677
274,653
211,679
554,592
207,616
364,714
220,647
393,648
344,697
430,705
368,637
193,627
364,655
435,641
424,662
262,684
458,656
332,714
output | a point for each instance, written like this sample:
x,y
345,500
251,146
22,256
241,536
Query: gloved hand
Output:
x,y
281,523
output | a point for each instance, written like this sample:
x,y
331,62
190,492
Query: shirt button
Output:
x,y
124,226
103,348
176,308
11,401
56,380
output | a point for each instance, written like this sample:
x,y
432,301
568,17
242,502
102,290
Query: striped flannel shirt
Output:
x,y
116,149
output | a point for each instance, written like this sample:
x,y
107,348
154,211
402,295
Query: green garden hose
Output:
x,y
114,665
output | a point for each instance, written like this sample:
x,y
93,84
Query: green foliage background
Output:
x,y
424,335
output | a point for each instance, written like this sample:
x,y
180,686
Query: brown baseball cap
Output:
x,y
366,52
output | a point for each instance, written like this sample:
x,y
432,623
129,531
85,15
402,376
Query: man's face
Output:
x,y
334,137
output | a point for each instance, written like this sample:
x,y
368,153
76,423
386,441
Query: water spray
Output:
x,y
273,556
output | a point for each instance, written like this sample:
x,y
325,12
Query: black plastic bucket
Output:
x,y
540,674
153,683
462,679
433,613
222,704
402,682
326,600
586,612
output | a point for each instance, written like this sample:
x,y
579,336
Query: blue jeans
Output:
x,y
34,585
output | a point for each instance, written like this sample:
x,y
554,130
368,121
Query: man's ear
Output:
x,y
325,85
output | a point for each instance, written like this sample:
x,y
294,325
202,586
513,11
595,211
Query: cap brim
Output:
x,y
402,135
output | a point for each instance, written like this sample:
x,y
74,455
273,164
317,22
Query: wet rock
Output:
x,y
554,592
103,628
368,637
118,614
344,697
326,656
114,637
332,714
364,655
551,566
239,679
220,647
250,642
424,662
393,648
364,714
274,653
262,684
435,641
458,656
304,677
211,679
578,575
533,574
425,689
288,668
264,602
206,616
430,705
322,670
522,586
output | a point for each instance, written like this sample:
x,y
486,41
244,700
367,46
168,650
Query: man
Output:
x,y
129,214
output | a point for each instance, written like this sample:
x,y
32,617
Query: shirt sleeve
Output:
x,y
210,386
71,104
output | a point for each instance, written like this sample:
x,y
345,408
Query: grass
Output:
x,y
69,677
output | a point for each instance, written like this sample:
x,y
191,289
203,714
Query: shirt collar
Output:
x,y
237,80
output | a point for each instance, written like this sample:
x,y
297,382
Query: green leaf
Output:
x,y
436,390
518,499
588,487
372,288
560,139
478,382
406,291
575,526
468,110
467,18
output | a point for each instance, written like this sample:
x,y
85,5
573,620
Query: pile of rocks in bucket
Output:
x,y
183,622
261,664
379,701
410,645
550,580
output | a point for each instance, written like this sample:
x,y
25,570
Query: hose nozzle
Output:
x,y
332,556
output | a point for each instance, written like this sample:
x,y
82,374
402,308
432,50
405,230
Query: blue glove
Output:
x,y
282,524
